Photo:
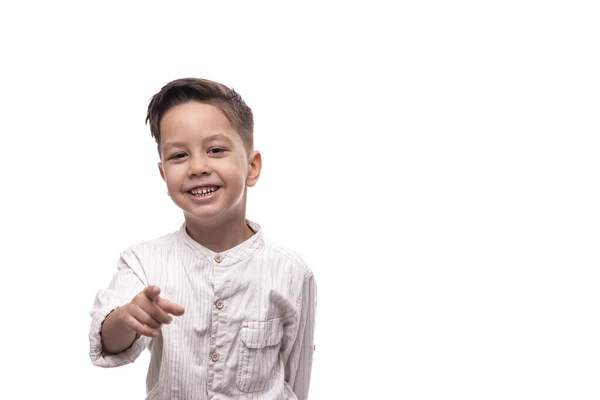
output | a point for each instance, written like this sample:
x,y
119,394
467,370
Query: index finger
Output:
x,y
171,308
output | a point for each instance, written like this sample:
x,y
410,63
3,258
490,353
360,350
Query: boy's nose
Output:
x,y
199,166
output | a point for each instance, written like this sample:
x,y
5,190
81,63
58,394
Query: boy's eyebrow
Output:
x,y
218,136
173,144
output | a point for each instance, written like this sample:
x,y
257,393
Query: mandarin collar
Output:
x,y
227,257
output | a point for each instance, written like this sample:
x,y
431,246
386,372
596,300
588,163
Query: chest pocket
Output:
x,y
259,362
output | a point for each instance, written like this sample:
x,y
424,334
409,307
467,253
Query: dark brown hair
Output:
x,y
184,90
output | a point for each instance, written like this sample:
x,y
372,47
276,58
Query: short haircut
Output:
x,y
184,90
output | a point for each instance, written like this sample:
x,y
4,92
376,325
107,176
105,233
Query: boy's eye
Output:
x,y
178,155
216,150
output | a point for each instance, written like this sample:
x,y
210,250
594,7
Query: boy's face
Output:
x,y
204,162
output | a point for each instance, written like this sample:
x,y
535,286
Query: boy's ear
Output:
x,y
162,171
255,160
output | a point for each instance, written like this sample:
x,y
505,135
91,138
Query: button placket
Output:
x,y
218,339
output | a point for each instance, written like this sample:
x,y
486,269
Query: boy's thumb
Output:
x,y
152,292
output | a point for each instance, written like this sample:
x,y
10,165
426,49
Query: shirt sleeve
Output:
x,y
128,281
299,363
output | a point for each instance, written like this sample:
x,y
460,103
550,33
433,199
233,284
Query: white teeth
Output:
x,y
204,191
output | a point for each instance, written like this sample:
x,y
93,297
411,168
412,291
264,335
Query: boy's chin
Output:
x,y
205,216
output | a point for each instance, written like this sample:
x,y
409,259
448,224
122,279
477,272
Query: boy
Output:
x,y
226,313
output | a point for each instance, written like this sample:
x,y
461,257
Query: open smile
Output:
x,y
203,192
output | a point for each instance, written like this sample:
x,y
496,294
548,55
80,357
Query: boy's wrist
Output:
x,y
116,319
119,313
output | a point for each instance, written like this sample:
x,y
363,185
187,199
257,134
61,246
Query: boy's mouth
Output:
x,y
201,191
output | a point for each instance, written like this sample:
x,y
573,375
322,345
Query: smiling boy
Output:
x,y
225,312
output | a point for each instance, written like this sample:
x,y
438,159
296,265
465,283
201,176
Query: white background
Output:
x,y
436,163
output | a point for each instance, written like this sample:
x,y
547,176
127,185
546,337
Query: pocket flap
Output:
x,y
259,334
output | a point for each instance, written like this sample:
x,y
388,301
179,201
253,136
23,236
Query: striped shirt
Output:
x,y
247,331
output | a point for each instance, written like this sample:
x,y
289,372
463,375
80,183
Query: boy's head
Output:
x,y
204,134
205,91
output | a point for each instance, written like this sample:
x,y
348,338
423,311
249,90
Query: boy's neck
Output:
x,y
219,237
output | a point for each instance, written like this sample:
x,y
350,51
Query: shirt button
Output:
x,y
218,258
214,356
219,304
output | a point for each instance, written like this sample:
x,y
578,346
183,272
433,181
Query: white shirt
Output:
x,y
247,331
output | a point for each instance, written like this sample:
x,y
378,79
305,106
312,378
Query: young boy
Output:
x,y
225,312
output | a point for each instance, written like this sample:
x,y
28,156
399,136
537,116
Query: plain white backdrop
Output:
x,y
436,163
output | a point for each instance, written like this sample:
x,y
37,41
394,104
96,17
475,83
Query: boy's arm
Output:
x,y
125,284
299,364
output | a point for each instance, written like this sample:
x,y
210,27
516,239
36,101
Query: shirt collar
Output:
x,y
227,257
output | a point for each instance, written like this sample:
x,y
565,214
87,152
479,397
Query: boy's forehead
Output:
x,y
196,121
194,115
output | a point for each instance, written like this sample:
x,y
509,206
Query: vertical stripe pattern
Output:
x,y
247,331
